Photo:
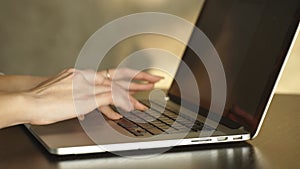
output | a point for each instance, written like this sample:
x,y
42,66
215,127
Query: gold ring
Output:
x,y
107,76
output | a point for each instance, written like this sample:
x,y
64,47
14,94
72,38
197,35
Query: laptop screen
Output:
x,y
252,38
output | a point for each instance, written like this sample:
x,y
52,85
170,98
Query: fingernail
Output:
x,y
145,108
120,116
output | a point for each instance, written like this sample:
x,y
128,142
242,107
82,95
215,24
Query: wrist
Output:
x,y
29,102
13,109
24,107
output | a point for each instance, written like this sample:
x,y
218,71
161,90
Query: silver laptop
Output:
x,y
253,40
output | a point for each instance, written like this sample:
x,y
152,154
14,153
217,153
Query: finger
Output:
x,y
131,86
125,73
138,105
119,100
148,77
122,99
109,113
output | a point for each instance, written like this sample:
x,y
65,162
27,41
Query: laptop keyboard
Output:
x,y
152,122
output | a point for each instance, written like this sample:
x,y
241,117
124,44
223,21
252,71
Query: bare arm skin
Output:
x,y
44,100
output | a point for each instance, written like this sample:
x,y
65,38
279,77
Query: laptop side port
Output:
x,y
222,138
237,138
202,140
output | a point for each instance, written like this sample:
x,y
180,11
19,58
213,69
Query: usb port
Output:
x,y
222,138
238,138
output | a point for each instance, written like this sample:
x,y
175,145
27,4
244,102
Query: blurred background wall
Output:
x,y
42,37
290,80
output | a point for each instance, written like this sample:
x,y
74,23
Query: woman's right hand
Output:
x,y
74,93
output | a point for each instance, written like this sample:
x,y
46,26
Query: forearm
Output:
x,y
13,109
12,83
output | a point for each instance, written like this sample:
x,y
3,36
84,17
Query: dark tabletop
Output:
x,y
277,146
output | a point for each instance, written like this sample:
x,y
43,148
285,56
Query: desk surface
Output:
x,y
277,146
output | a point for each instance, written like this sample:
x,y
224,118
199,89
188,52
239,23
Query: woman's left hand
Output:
x,y
122,80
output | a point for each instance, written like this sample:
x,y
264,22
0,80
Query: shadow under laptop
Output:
x,y
229,155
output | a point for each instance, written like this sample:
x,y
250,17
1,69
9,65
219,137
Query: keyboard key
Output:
x,y
144,116
126,123
197,128
138,131
153,122
131,127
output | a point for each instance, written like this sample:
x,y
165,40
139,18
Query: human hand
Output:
x,y
123,78
74,92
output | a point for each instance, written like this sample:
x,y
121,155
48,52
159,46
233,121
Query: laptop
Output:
x,y
253,40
